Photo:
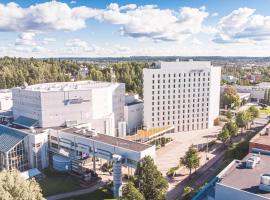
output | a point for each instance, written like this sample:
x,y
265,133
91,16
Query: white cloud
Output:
x,y
49,16
215,14
48,40
26,39
73,2
158,24
243,26
147,21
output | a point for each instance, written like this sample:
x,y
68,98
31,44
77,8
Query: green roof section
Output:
x,y
9,138
26,122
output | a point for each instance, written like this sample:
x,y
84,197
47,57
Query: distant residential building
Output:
x,y
181,94
133,113
5,100
101,104
229,79
257,92
84,71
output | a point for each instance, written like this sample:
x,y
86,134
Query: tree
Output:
x,y
230,98
14,187
224,136
232,128
149,180
229,115
254,112
131,193
191,160
242,119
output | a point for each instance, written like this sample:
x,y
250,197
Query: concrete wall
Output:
x,y
223,192
38,149
134,116
5,100
214,99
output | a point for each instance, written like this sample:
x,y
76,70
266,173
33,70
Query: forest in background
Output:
x,y
16,71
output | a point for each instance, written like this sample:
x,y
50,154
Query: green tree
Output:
x,y
254,112
232,128
224,136
131,193
242,119
149,180
229,114
191,160
229,98
14,187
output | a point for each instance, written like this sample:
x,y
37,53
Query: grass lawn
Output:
x,y
56,183
265,111
100,194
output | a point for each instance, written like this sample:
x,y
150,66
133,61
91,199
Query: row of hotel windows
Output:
x,y
173,102
175,96
183,112
179,91
179,74
179,80
179,86
184,100
188,127
183,121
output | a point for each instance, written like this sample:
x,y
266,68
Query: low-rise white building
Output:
x,y
185,95
101,104
133,113
5,100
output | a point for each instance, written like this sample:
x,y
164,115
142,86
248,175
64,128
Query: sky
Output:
x,y
101,28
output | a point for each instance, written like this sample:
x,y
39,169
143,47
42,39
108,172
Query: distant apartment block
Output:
x,y
181,94
101,104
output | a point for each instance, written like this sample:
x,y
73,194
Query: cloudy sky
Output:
x,y
97,28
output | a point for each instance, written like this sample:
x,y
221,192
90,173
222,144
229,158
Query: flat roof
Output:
x,y
115,141
245,179
68,86
262,137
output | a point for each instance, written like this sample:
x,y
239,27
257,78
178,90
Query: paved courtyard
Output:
x,y
169,155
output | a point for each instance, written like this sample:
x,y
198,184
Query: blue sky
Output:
x,y
88,28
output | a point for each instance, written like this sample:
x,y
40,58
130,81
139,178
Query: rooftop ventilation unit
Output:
x,y
252,161
265,183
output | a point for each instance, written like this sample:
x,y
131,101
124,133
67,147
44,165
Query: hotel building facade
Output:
x,y
184,95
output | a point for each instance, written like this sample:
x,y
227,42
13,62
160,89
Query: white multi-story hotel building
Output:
x,y
185,95
101,104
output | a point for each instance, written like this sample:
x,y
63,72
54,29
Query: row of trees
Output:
x,y
15,71
242,120
147,183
